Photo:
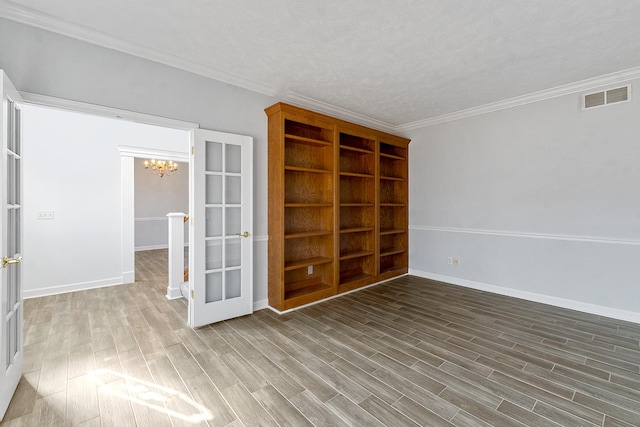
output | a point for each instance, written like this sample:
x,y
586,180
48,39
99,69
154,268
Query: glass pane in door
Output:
x,y
12,292
11,237
214,157
11,132
232,284
8,347
17,128
213,218
17,229
214,190
10,180
233,193
213,254
233,160
233,221
213,289
233,252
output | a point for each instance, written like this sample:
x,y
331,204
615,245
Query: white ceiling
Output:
x,y
395,62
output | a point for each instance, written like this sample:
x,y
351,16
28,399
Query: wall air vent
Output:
x,y
606,97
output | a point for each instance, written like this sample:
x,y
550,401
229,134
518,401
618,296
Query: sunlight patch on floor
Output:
x,y
148,394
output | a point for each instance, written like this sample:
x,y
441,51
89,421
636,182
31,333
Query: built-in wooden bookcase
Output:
x,y
337,206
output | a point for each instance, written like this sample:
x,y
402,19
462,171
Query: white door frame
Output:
x,y
127,154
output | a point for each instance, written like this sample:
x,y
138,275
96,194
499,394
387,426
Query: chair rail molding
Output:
x,y
565,237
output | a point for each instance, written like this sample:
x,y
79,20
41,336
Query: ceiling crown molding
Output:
x,y
50,23
581,86
341,113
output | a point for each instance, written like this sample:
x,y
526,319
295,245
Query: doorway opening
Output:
x,y
81,174
129,156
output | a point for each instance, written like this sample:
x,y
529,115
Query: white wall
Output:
x,y
155,197
540,201
50,64
72,167
547,173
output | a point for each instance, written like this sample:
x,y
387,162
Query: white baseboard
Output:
x,y
259,305
599,310
174,293
63,289
150,248
128,277
332,296
154,247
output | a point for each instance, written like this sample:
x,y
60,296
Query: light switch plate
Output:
x,y
44,215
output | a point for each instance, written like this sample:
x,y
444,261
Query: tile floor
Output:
x,y
405,353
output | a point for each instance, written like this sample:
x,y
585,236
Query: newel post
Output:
x,y
176,254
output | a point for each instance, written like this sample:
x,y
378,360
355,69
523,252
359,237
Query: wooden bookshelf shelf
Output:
x,y
308,205
355,230
391,231
303,263
392,269
357,205
392,251
355,254
303,140
349,278
297,292
303,234
392,156
355,149
356,175
310,170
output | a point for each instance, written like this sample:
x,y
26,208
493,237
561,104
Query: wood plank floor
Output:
x,y
405,353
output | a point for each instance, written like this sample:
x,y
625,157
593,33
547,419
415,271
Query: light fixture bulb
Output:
x,y
161,167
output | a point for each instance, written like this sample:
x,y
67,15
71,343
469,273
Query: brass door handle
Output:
x,y
6,261
245,234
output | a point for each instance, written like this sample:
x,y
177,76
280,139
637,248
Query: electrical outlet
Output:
x,y
450,260
310,270
456,261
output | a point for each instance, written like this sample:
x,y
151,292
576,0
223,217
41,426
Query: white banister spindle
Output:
x,y
176,254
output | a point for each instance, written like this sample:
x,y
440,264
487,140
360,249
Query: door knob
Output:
x,y
245,234
6,261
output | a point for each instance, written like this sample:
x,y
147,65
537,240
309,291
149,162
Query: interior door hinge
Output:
x,y
192,150
192,294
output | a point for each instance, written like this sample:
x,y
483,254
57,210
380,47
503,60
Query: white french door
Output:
x,y
221,227
11,316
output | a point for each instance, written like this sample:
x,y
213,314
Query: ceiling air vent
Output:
x,y
606,97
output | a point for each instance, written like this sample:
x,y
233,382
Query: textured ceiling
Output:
x,y
393,61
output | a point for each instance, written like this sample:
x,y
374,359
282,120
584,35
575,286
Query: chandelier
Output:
x,y
161,167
